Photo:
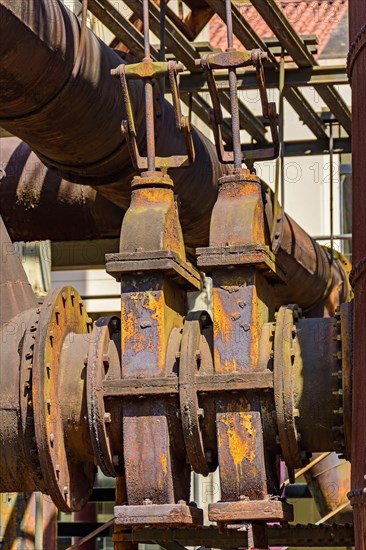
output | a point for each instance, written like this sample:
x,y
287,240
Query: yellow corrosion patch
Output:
x,y
224,329
241,438
163,462
132,335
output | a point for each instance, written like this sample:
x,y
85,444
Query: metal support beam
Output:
x,y
311,147
328,536
121,27
294,78
295,46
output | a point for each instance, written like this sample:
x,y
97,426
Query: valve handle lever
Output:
x,y
233,59
148,70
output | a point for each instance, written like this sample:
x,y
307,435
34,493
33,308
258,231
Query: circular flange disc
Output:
x,y
284,400
102,358
188,369
68,482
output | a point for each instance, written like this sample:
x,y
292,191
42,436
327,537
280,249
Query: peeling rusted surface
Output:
x,y
241,452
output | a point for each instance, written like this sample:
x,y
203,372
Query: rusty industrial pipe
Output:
x,y
357,75
42,106
36,204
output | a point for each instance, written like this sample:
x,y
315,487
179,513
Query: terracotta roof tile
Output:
x,y
318,17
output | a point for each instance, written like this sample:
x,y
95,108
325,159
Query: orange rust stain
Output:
x,y
163,462
224,329
240,432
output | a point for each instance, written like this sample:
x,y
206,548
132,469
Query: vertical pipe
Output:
x,y
331,191
357,74
149,95
229,23
276,230
162,42
235,121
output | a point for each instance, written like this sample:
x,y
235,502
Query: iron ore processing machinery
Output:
x,y
272,372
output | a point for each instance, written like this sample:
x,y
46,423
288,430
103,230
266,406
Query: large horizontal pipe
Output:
x,y
37,204
72,121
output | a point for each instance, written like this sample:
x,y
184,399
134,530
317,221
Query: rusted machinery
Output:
x,y
161,391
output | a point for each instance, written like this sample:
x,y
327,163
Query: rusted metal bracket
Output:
x,y
203,383
169,515
166,261
251,510
148,70
233,60
259,255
